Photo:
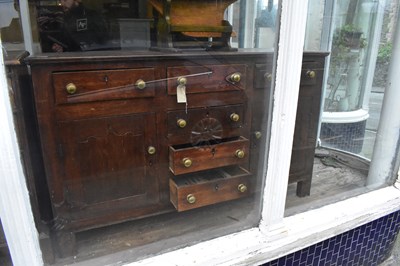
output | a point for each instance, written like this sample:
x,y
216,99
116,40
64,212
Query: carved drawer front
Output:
x,y
209,187
100,85
187,158
202,125
210,78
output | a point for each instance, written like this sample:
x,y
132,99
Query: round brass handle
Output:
x,y
140,84
181,123
268,76
242,188
235,117
70,88
187,162
191,198
182,81
257,134
235,77
311,74
151,150
239,153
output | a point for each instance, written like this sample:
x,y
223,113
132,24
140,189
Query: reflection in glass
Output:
x,y
152,129
359,36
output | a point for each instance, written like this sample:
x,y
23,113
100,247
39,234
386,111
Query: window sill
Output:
x,y
258,245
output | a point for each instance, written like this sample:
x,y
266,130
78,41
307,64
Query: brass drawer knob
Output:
x,y
70,88
235,77
311,74
140,84
239,153
181,123
258,134
268,76
242,188
187,162
235,117
151,150
182,81
191,198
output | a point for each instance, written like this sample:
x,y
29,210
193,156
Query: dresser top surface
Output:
x,y
118,55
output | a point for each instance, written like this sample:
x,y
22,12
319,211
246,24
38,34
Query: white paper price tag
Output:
x,y
181,94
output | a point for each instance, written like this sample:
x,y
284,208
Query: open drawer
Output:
x,y
209,187
187,158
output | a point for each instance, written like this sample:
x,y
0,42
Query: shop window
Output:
x,y
141,124
157,137
348,139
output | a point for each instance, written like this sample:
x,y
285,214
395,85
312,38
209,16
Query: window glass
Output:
x,y
347,93
142,124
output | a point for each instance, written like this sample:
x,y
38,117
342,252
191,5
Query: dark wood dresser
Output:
x,y
130,135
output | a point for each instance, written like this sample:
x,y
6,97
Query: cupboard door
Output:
x,y
109,163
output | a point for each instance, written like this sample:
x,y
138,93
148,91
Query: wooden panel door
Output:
x,y
108,167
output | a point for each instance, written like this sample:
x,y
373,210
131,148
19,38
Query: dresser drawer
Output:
x,y
210,78
188,158
100,85
204,124
209,187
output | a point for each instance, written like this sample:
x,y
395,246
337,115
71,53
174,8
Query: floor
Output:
x,y
336,176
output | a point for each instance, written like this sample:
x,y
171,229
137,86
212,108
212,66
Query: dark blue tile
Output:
x,y
358,249
318,250
341,249
352,254
336,248
282,261
363,251
322,262
304,256
334,258
368,245
329,255
316,261
324,252
311,249
303,263
310,260
297,256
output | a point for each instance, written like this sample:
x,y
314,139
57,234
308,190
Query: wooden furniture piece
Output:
x,y
192,23
128,135
307,120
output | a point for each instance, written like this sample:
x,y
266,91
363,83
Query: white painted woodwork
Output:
x,y
386,146
290,55
15,209
252,247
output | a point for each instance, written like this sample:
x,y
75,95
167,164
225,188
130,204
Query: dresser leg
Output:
x,y
303,188
64,243
47,248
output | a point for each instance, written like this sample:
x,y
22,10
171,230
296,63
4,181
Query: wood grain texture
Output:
x,y
208,188
208,156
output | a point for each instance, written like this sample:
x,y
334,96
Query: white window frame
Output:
x,y
274,237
